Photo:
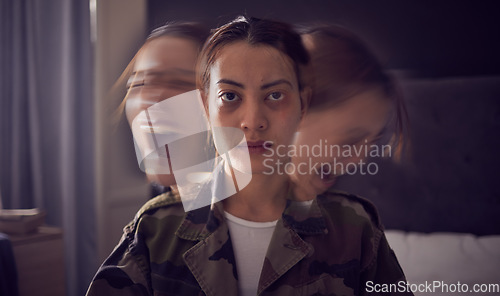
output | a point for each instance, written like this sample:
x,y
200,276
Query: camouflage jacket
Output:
x,y
333,248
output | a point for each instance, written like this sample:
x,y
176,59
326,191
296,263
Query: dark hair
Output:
x,y
343,66
256,32
190,30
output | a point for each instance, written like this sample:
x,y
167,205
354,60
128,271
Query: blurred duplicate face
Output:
x,y
329,139
254,88
165,67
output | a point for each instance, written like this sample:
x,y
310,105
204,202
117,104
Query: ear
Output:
x,y
305,99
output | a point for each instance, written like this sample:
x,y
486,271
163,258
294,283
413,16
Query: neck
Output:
x,y
262,200
302,193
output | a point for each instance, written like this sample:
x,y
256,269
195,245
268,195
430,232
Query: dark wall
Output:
x,y
426,38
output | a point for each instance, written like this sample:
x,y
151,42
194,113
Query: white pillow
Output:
x,y
452,259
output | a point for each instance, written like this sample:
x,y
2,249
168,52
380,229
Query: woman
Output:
x,y
355,113
163,68
250,81
256,241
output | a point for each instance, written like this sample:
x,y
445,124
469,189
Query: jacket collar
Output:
x,y
304,218
287,247
200,223
212,261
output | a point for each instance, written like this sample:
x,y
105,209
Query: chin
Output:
x,y
163,179
320,185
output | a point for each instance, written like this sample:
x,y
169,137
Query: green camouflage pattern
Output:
x,y
332,247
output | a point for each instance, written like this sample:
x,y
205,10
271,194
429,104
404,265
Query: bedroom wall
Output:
x,y
428,39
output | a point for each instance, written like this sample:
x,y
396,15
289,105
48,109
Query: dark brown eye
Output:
x,y
229,97
275,96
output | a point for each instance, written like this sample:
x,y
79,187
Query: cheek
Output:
x,y
214,114
141,98
289,116
134,105
315,128
213,109
285,126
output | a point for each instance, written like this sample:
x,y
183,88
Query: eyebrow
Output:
x,y
277,82
267,85
228,81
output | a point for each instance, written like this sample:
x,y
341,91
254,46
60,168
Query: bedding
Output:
x,y
448,258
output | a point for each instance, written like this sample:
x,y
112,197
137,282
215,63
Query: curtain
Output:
x,y
46,122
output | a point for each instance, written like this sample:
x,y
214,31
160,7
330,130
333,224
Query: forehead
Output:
x,y
243,62
167,52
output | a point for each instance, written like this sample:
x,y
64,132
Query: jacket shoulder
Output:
x,y
357,222
161,201
141,251
362,208
169,202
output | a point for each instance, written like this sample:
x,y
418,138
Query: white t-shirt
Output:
x,y
250,241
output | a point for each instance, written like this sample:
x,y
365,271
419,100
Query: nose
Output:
x,y
254,118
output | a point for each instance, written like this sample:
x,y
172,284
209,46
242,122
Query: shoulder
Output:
x,y
164,206
166,200
350,206
129,267
355,221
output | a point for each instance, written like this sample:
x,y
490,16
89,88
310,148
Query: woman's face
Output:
x,y
165,67
255,90
354,124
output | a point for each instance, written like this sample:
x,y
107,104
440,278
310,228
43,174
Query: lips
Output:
x,y
258,143
258,147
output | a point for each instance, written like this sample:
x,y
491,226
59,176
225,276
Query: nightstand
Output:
x,y
40,262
